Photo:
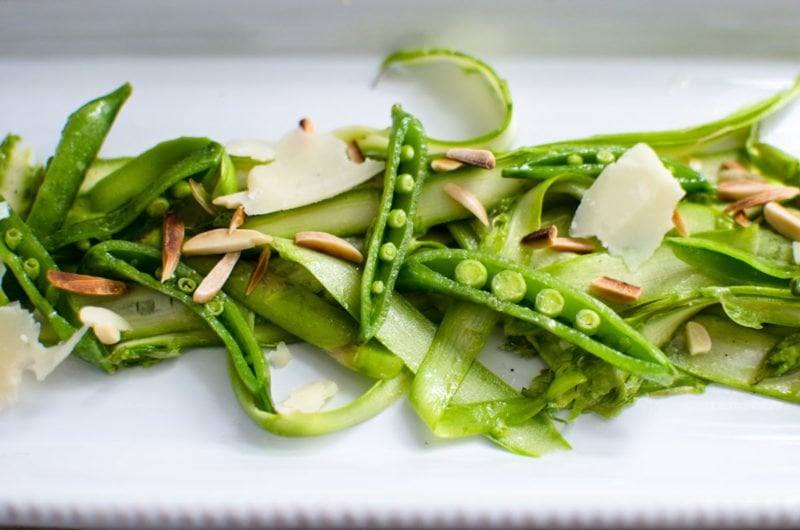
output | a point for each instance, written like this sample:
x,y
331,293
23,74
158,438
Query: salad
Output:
x,y
629,265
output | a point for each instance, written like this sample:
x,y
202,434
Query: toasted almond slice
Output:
x,y
613,289
328,244
444,164
784,221
468,200
541,238
732,163
735,174
741,218
473,157
173,241
258,272
84,284
308,126
680,224
237,219
576,245
354,153
201,197
776,193
216,278
219,241
733,190
698,341
106,324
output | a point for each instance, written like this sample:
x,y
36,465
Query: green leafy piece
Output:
x,y
19,176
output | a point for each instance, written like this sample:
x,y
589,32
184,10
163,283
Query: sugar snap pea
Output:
x,y
394,226
614,341
80,141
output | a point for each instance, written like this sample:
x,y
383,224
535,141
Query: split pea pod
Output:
x,y
542,164
81,139
29,261
540,299
393,228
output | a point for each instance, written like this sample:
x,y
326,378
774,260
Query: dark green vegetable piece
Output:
x,y
543,163
117,200
81,139
614,341
391,233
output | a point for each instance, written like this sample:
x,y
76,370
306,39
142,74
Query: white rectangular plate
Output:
x,y
169,446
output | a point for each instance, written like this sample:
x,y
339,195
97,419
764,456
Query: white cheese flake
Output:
x,y
307,168
309,398
20,353
257,150
281,357
629,207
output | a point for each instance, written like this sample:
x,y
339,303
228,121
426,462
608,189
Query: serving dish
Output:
x,y
169,446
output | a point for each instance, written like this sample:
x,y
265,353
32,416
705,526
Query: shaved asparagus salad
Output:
x,y
628,265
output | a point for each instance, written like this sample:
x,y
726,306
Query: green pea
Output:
x,y
31,267
574,159
181,190
13,238
377,287
158,207
587,321
624,343
187,285
388,251
407,153
549,302
405,183
605,157
397,218
215,306
83,245
509,285
472,273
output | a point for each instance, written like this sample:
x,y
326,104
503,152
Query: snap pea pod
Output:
x,y
590,161
117,200
81,139
116,258
544,301
393,228
23,254
309,317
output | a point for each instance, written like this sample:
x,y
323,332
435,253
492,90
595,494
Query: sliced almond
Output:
x,y
106,324
107,334
473,157
85,284
308,126
784,221
698,341
541,238
237,219
220,241
468,200
328,244
444,164
354,153
258,272
680,224
173,241
732,163
775,193
575,245
733,190
201,197
741,218
617,290
734,174
216,278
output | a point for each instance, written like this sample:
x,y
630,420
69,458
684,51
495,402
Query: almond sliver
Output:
x,y
173,241
473,157
328,244
220,241
774,193
216,278
613,289
468,200
84,284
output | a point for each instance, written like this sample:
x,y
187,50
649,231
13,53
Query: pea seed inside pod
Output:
x,y
549,302
472,273
587,321
407,153
397,218
605,157
377,287
388,251
509,286
405,183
